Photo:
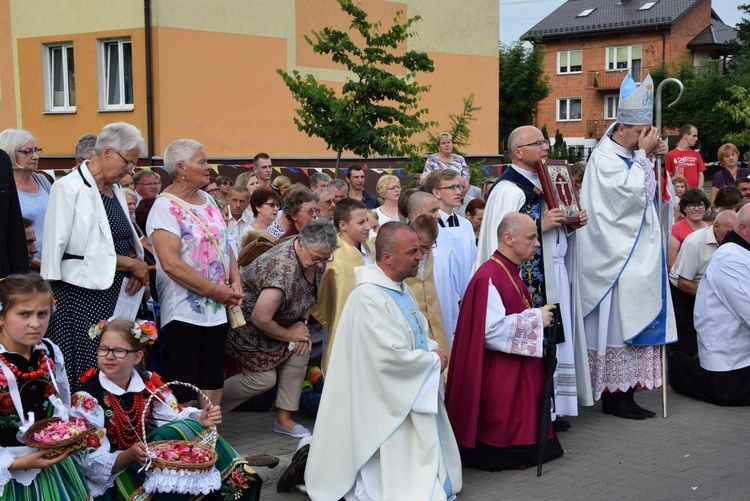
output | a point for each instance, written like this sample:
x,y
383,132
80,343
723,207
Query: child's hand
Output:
x,y
36,461
210,416
136,454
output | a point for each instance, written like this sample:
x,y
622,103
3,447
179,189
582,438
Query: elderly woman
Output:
x,y
265,206
389,189
196,273
727,155
91,246
300,207
693,205
445,158
33,189
282,286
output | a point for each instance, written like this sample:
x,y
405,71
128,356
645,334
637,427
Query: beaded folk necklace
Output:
x,y
37,373
124,423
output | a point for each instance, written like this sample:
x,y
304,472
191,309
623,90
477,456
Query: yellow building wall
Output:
x,y
8,118
215,62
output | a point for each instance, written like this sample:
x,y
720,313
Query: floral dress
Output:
x,y
117,415
35,394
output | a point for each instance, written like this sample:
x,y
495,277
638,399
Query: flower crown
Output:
x,y
144,331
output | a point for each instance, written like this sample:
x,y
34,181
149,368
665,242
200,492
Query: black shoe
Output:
x,y
617,404
560,425
631,400
295,473
263,460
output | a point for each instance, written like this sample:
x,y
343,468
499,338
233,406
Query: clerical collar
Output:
x,y
532,177
732,237
500,254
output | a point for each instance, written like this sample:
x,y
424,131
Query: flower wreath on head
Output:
x,y
144,331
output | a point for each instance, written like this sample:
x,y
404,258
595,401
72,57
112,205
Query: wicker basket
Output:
x,y
75,443
205,441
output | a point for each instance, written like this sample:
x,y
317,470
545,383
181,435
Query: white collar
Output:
x,y
136,384
39,346
444,215
533,177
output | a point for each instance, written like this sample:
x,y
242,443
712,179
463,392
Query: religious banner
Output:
x,y
558,188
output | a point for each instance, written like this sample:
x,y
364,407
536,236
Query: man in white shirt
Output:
x,y
456,248
721,373
240,219
690,265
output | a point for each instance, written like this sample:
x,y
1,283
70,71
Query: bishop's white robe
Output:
x,y
381,409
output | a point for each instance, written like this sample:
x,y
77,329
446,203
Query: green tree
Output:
x,y
377,111
522,85
559,150
739,110
459,131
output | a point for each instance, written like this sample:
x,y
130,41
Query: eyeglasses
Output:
x,y
31,151
425,249
120,353
316,260
311,211
696,207
132,166
536,143
452,187
213,190
272,205
393,188
157,184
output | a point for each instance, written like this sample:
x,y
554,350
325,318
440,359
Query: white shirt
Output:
x,y
722,310
695,254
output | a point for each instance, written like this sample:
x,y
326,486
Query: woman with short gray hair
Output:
x,y
85,265
282,286
196,273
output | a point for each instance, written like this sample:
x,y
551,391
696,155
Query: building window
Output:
x,y
115,75
568,109
627,57
569,61
59,78
610,106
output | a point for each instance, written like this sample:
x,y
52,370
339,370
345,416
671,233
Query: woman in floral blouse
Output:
x,y
113,401
196,272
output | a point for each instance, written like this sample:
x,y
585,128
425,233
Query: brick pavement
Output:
x,y
699,452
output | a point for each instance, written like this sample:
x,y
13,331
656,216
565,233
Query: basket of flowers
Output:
x,y
181,466
58,436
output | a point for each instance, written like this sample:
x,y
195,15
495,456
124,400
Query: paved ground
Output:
x,y
699,452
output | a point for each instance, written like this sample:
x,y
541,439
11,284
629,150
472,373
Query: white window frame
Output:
x,y
567,118
612,65
119,81
607,101
49,74
568,53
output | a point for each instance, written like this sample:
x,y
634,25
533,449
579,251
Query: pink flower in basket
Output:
x,y
184,454
60,430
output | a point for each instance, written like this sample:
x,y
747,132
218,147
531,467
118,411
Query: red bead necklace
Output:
x,y
124,423
40,371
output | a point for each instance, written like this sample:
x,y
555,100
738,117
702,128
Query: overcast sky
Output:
x,y
519,16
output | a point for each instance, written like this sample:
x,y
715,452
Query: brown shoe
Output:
x,y
263,460
295,473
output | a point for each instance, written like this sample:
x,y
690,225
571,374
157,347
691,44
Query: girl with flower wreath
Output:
x,y
33,386
113,398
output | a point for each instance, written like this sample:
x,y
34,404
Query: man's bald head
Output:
x,y
517,237
723,224
742,223
422,202
522,149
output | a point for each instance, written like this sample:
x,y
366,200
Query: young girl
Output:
x,y
113,400
31,370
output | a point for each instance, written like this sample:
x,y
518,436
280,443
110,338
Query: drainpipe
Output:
x,y
149,82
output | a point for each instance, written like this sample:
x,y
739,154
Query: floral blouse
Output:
x,y
90,403
197,251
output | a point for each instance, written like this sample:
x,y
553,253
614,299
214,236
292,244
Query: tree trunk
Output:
x,y
338,163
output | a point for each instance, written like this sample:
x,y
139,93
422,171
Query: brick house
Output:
x,y
591,44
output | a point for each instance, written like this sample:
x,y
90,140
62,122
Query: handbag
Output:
x,y
235,317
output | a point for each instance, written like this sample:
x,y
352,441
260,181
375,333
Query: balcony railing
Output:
x,y
608,80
